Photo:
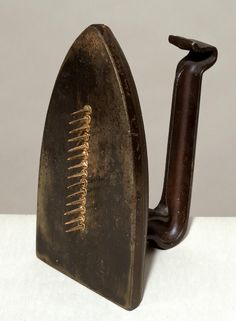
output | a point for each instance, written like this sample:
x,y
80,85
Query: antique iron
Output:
x,y
93,220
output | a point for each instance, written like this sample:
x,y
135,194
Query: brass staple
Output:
x,y
83,154
81,128
82,173
82,192
84,163
80,201
80,209
86,118
79,227
86,108
76,138
83,147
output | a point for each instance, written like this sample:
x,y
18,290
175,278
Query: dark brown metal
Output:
x,y
168,221
108,254
92,211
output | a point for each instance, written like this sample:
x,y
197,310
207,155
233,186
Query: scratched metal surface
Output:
x,y
108,255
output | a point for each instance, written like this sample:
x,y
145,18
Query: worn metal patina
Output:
x,y
108,254
93,180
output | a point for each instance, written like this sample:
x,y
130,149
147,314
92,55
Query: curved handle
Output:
x,y
168,221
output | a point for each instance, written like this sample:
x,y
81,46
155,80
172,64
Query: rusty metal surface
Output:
x,y
108,255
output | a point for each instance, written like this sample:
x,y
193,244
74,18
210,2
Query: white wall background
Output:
x,y
36,35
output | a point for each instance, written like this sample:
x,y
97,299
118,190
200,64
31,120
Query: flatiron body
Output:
x,y
93,179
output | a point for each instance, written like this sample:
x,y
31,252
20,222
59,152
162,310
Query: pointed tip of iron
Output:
x,y
100,27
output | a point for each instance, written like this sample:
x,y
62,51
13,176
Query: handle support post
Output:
x,y
168,221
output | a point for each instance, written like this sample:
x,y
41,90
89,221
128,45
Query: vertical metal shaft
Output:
x,y
168,221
